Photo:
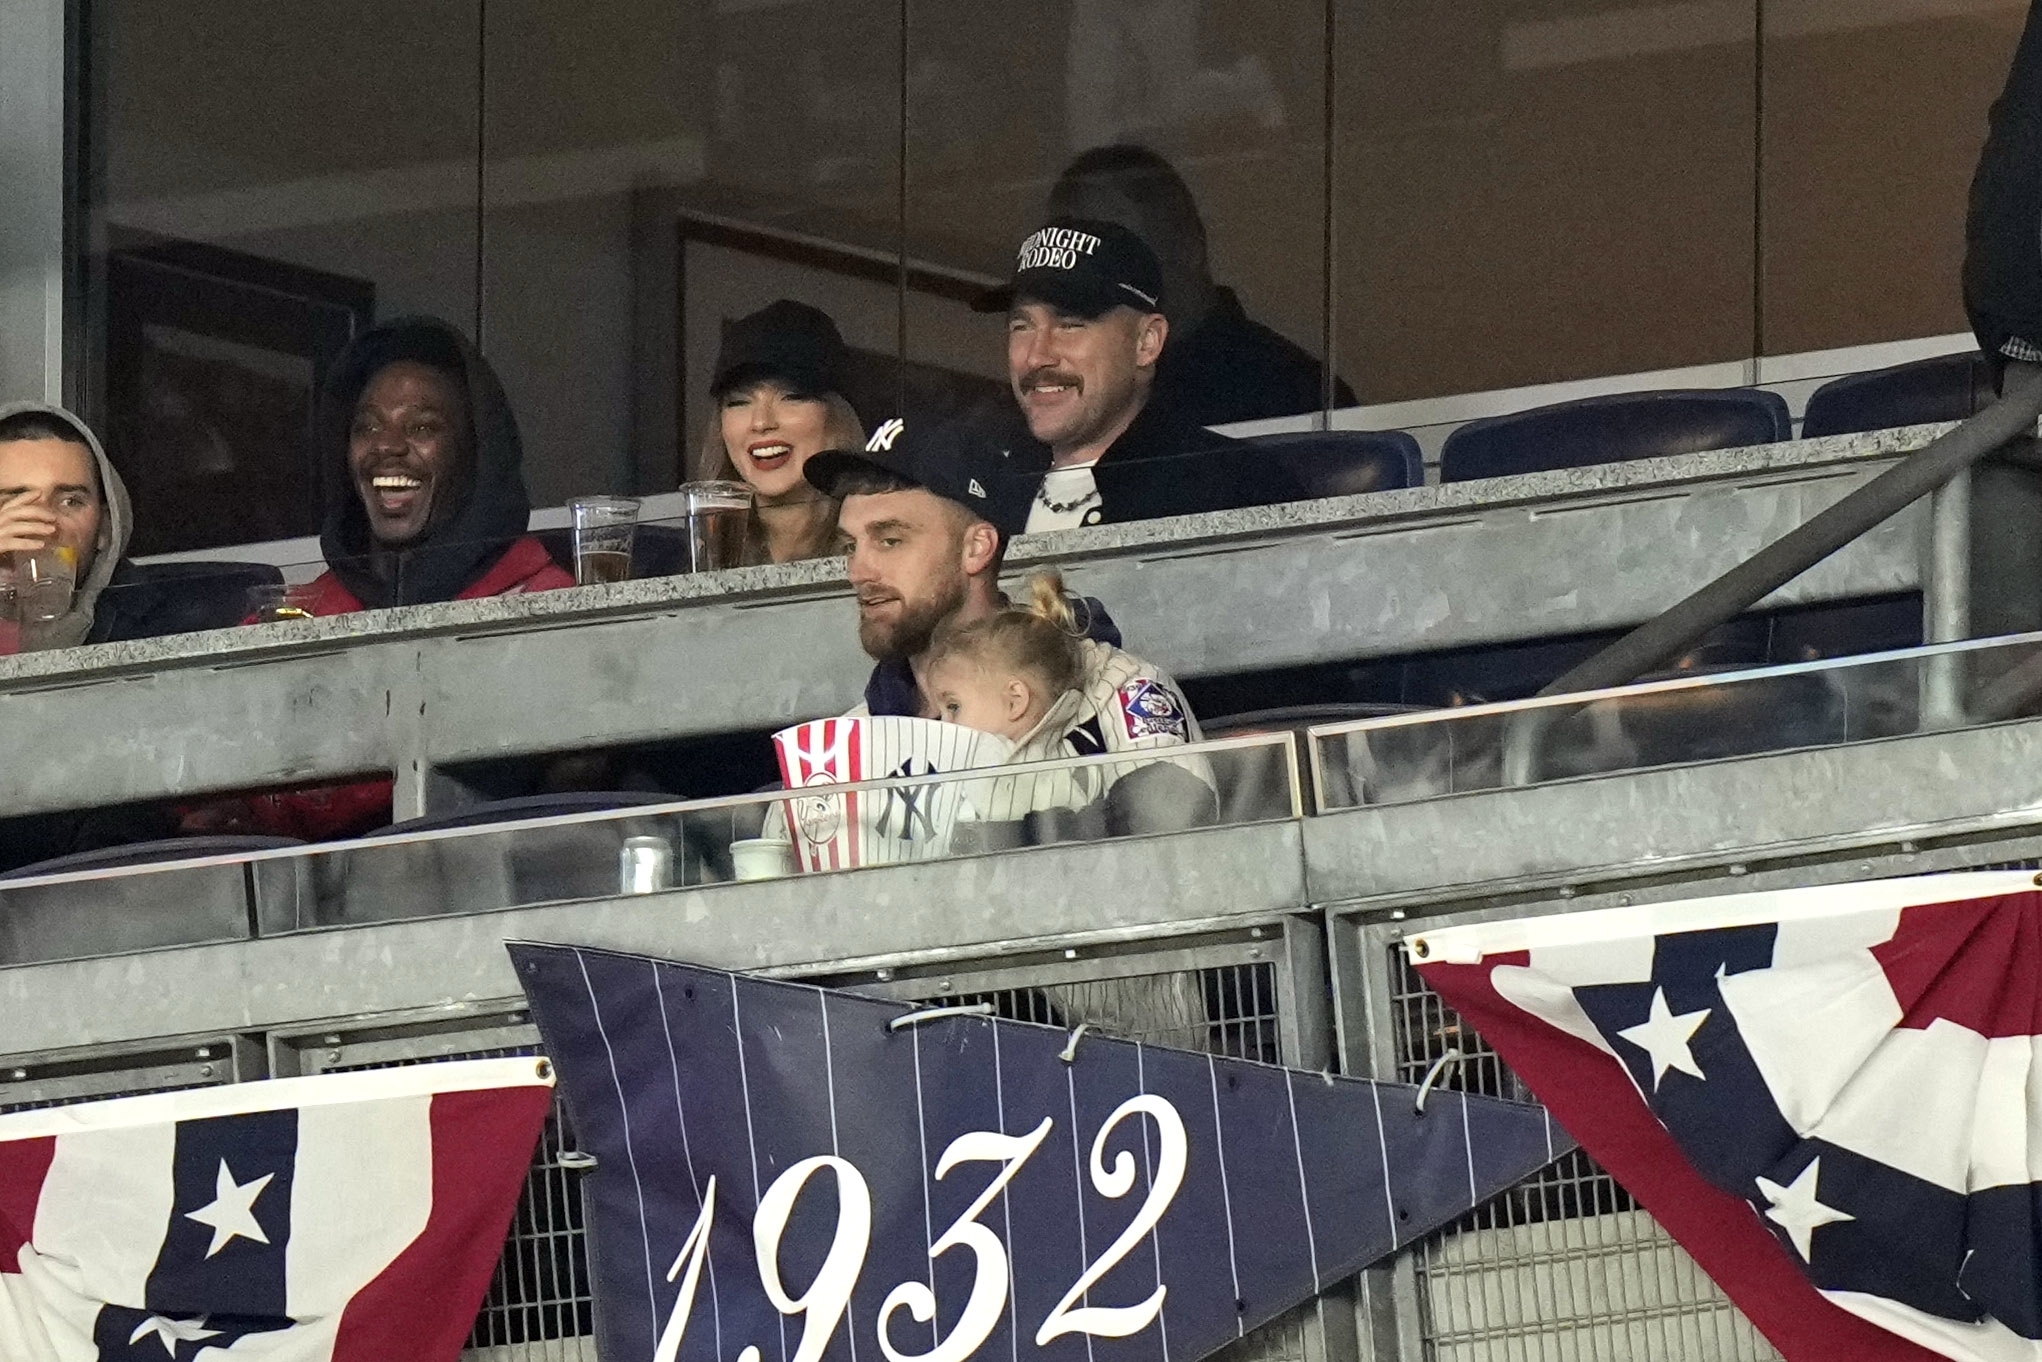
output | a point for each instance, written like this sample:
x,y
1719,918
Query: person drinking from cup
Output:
x,y
63,526
65,522
778,389
924,558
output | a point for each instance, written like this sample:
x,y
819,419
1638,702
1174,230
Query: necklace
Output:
x,y
1064,507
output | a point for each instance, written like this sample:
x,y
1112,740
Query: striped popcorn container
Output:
x,y
839,831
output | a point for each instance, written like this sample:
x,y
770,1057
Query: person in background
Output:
x,y
426,502
1220,365
58,490
2003,231
57,487
778,389
426,495
925,558
1085,332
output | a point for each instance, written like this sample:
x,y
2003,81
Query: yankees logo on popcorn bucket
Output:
x,y
877,827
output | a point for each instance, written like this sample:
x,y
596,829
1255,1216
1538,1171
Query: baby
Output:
x,y
1004,673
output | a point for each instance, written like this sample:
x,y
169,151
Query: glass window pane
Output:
x,y
657,170
1874,116
1008,108
1530,191
265,180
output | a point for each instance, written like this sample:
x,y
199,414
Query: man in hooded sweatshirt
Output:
x,y
426,502
425,482
57,490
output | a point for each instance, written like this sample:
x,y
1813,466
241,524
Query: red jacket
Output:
x,y
349,810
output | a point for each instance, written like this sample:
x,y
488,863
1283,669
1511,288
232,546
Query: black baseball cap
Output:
x,y
1084,266
786,340
948,457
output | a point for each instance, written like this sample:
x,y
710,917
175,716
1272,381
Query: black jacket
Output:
x,y
2003,233
1163,464
491,516
1232,368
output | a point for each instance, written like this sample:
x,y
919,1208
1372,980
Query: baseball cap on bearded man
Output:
x,y
1082,266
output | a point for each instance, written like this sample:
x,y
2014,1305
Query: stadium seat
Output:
x,y
185,598
1598,430
140,912
1947,388
1342,463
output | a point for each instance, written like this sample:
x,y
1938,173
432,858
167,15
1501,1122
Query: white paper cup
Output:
x,y
762,858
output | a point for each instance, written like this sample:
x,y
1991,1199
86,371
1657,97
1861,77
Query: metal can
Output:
x,y
645,865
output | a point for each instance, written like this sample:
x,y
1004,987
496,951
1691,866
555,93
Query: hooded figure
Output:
x,y
115,516
423,477
425,501
115,519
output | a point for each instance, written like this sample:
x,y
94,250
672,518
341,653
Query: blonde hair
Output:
x,y
841,429
1039,639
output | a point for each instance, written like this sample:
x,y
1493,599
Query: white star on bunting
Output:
x,y
232,1210
171,1332
1795,1209
1665,1037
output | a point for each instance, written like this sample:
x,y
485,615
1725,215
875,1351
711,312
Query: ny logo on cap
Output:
x,y
883,438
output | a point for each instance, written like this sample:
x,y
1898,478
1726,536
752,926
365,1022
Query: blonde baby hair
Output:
x,y
1037,639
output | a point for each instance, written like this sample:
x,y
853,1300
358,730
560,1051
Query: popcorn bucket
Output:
x,y
877,827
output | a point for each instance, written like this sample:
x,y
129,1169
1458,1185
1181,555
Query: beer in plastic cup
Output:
x,y
274,601
604,528
44,579
717,512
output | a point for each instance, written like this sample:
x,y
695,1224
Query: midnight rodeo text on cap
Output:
x,y
1055,248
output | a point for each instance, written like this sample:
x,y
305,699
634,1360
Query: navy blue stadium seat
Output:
x,y
141,912
149,600
1947,388
1598,430
1342,463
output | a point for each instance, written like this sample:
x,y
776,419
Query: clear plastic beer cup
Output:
x,y
604,528
717,512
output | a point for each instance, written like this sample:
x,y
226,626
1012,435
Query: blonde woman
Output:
x,y
778,390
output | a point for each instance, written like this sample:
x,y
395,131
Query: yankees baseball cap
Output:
x,y
947,457
1083,266
786,340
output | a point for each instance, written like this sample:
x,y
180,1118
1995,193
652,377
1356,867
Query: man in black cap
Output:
x,y
1085,332
924,555
1221,365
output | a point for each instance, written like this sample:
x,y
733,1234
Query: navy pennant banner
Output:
x,y
787,1173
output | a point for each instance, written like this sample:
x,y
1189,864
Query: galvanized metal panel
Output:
x,y
412,691
980,906
1674,819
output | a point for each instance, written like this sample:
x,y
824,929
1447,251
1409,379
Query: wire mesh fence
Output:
x,y
1564,1267
540,1306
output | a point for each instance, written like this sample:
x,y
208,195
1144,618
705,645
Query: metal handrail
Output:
x,y
1659,640
1665,637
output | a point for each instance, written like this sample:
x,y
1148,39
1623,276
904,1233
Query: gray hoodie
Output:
x,y
116,523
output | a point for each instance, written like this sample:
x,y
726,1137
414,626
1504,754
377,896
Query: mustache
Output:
x,y
1049,374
